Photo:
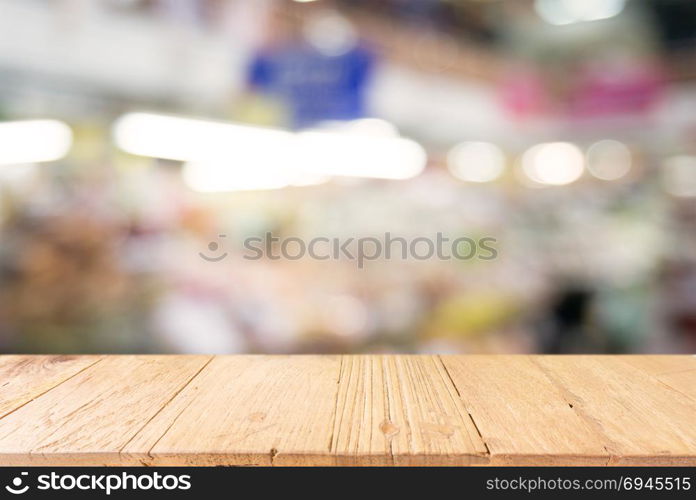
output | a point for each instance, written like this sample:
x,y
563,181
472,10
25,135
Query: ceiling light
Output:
x,y
34,141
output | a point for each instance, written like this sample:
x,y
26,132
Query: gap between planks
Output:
x,y
382,365
468,410
176,393
394,410
272,452
346,365
349,371
571,401
659,371
334,417
568,397
61,382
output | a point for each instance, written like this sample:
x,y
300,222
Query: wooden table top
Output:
x,y
347,410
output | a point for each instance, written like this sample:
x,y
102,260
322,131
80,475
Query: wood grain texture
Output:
x,y
91,416
24,378
639,419
402,410
661,364
677,372
247,410
522,415
347,410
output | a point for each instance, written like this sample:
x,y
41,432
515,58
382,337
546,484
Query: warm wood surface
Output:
x,y
347,410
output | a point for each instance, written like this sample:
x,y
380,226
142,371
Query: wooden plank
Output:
x,y
90,417
350,410
645,422
24,378
247,410
522,416
402,410
363,428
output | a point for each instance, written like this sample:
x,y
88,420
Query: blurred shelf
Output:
x,y
347,410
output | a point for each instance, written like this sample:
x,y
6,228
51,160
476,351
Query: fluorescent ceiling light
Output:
x,y
186,139
373,127
364,148
360,156
218,177
33,141
211,177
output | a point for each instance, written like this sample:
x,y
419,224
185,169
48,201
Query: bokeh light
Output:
x,y
553,163
476,161
609,159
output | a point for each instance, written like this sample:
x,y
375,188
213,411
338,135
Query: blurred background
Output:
x,y
137,134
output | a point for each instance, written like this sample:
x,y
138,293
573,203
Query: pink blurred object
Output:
x,y
616,89
524,94
601,89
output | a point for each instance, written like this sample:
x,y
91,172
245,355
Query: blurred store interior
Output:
x,y
137,134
